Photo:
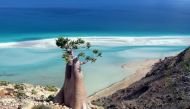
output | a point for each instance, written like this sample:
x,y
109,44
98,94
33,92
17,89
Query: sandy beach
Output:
x,y
140,68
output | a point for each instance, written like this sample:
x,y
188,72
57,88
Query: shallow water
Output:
x,y
45,66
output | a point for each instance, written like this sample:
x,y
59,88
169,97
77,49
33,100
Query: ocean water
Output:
x,y
45,66
18,24
27,40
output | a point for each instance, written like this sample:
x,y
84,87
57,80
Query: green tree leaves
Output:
x,y
81,54
88,45
62,42
71,46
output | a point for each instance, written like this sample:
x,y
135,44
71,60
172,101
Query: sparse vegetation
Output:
x,y
167,83
21,94
50,98
51,88
34,92
42,97
4,83
26,98
19,86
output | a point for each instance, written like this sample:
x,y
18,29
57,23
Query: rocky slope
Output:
x,y
166,86
27,96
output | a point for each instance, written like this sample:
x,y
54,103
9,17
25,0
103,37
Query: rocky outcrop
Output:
x,y
27,96
166,86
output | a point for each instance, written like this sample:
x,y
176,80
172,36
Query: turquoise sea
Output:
x,y
27,45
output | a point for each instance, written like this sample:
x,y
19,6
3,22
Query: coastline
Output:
x,y
106,41
141,68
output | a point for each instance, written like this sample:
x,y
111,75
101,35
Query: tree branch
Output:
x,y
82,63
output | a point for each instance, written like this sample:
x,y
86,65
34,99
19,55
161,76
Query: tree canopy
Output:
x,y
78,48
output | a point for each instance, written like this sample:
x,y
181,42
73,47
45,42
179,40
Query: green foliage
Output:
x,y
34,92
81,54
42,97
4,83
88,45
185,65
88,58
20,94
19,86
51,88
67,56
41,107
62,42
80,46
50,98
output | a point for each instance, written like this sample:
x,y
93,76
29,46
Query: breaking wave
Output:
x,y
107,41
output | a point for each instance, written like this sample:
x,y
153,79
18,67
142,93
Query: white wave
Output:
x,y
147,53
44,43
107,41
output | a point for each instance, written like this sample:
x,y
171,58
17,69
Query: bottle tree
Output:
x,y
75,53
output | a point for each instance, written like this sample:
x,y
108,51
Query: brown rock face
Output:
x,y
73,93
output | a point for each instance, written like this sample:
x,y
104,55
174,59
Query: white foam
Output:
x,y
152,52
107,41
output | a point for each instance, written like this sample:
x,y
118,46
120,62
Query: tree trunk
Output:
x,y
73,93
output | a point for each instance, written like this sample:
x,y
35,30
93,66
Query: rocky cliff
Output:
x,y
166,86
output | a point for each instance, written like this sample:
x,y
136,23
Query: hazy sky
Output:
x,y
91,3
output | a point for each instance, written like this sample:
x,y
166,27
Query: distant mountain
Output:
x,y
166,86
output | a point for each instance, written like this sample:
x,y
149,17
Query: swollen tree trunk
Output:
x,y
73,93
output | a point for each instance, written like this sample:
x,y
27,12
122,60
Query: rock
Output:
x,y
51,102
44,103
2,93
28,105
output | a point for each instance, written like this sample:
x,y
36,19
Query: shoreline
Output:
x,y
141,68
108,41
